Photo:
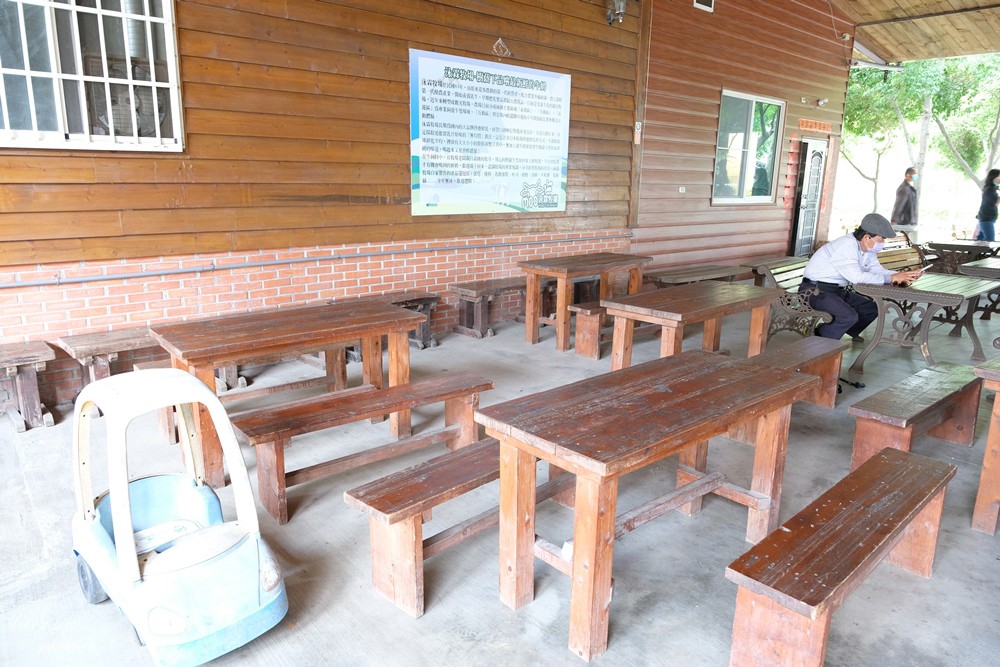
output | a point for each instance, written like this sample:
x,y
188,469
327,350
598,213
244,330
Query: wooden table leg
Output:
x,y
760,321
593,553
671,339
532,305
371,365
564,297
634,279
984,516
768,471
517,525
712,335
399,373
621,343
211,448
696,457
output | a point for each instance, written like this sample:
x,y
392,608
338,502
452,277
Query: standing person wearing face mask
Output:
x,y
987,216
847,261
904,211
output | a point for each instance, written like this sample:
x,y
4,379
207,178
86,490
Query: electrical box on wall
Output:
x,y
707,5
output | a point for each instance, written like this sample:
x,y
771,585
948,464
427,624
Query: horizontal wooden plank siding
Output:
x,y
296,117
787,50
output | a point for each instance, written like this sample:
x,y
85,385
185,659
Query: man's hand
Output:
x,y
906,278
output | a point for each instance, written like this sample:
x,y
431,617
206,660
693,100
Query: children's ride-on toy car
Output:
x,y
193,585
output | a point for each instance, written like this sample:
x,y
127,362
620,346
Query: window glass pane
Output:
x,y
87,3
114,43
121,109
17,101
64,30
145,111
728,175
138,50
97,108
113,5
38,38
766,118
733,118
71,94
156,8
11,55
90,45
159,53
45,104
164,113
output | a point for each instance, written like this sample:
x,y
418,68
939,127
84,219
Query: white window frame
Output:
x,y
748,162
90,138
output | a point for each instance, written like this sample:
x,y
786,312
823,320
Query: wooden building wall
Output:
x,y
792,50
296,119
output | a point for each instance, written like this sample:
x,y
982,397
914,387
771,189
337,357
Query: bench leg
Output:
x,y
28,401
712,335
828,371
987,510
915,550
335,363
671,340
398,562
271,487
694,456
770,446
473,317
588,336
400,423
870,437
458,412
765,633
960,427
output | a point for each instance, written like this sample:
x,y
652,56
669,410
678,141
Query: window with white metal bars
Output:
x,y
89,74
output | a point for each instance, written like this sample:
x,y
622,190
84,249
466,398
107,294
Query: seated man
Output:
x,y
847,261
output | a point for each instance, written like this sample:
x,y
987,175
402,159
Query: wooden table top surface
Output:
x,y
299,328
84,346
690,274
959,286
583,265
694,301
961,245
616,422
985,263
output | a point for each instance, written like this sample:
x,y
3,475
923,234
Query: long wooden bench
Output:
x,y
270,429
398,504
813,356
792,581
942,400
474,299
474,302
19,366
792,311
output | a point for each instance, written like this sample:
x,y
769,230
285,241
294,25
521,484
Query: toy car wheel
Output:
x,y
91,587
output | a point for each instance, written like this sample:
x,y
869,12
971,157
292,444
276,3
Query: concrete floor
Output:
x,y
672,603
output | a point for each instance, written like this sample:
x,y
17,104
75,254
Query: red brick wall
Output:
x,y
48,312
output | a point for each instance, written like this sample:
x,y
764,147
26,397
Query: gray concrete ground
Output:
x,y
672,603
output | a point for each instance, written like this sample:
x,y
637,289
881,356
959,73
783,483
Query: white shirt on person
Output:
x,y
843,262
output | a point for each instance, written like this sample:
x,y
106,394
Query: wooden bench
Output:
x,y
792,312
21,363
813,356
942,400
96,351
398,504
589,329
792,581
270,429
474,302
899,255
474,299
681,275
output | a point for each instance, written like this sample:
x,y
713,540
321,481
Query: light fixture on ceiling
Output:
x,y
616,11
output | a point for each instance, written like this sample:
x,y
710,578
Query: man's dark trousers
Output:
x,y
852,312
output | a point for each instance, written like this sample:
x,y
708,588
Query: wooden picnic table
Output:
x,y
681,275
988,267
956,252
987,507
564,270
913,309
609,425
200,346
675,307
